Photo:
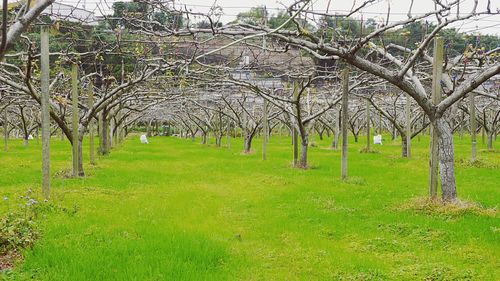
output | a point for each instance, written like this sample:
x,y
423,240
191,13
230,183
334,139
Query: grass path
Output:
x,y
177,210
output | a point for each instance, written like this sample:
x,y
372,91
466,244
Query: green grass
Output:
x,y
178,210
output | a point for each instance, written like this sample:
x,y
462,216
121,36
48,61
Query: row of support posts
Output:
x,y
45,120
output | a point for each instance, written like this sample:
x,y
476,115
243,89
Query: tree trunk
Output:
x,y
247,144
311,134
446,164
439,129
79,143
217,140
148,129
404,146
490,140
303,153
203,138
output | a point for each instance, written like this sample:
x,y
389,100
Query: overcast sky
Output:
x,y
488,24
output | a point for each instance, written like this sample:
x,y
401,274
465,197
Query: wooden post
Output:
x,y
336,128
367,125
482,134
111,129
265,130
379,123
228,133
91,123
295,134
75,117
118,128
437,72
472,120
100,127
6,128
408,125
345,118
44,100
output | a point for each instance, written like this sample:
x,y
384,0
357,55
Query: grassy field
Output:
x,y
178,210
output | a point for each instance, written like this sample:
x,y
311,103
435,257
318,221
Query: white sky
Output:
x,y
487,24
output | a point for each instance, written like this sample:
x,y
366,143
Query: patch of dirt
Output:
x,y
447,210
9,259
489,151
64,174
475,164
368,150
